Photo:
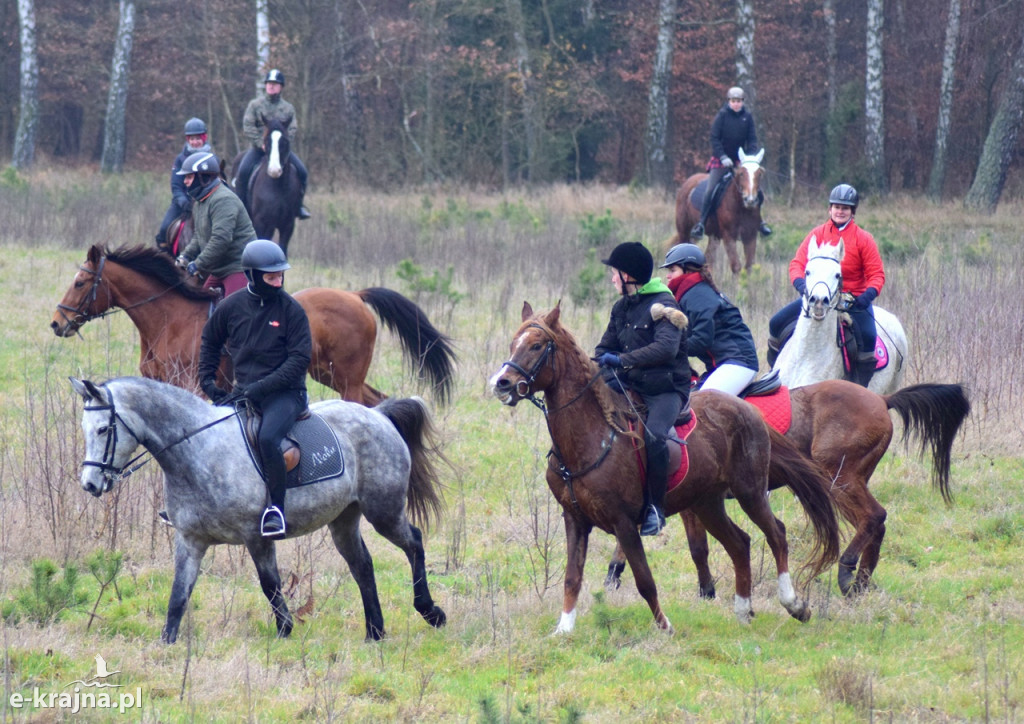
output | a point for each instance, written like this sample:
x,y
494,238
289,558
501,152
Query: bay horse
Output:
x,y
215,494
170,312
813,352
846,429
275,190
594,469
738,215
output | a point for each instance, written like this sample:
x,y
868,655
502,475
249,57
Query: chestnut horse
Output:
x,y
846,429
170,312
738,215
594,468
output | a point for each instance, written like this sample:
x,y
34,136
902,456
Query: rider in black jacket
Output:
x,y
649,348
266,332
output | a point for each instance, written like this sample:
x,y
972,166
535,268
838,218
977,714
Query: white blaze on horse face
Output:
x,y
751,165
274,161
517,344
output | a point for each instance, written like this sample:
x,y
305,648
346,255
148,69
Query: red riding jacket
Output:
x,y
862,264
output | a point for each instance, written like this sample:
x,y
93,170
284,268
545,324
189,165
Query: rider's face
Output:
x,y
189,178
194,141
840,213
673,272
274,279
273,88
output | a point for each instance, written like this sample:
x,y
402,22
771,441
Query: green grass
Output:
x,y
939,638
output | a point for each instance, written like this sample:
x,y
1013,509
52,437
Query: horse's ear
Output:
x,y
812,246
87,390
842,249
554,314
93,255
758,157
527,311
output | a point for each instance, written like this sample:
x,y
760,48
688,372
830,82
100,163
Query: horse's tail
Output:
x,y
412,419
430,350
933,412
810,484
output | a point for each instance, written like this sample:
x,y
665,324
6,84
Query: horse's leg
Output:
x,y
729,242
284,233
868,516
347,539
711,252
749,249
736,542
577,537
628,537
697,538
616,566
264,555
187,557
408,537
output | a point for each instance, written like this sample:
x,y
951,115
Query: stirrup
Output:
x,y
697,232
654,521
272,523
304,213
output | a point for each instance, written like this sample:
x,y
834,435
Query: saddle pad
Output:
x,y
881,353
775,408
682,432
697,195
321,453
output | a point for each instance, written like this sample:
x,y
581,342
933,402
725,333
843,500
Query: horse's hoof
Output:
x,y
374,634
801,613
436,617
612,582
708,594
284,630
168,637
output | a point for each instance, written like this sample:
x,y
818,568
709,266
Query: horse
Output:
x,y
738,215
215,494
595,463
275,190
170,312
846,429
813,353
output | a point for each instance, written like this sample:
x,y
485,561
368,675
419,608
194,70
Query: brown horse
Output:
x,y
594,468
169,312
738,215
846,429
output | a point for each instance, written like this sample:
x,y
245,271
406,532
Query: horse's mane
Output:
x,y
156,265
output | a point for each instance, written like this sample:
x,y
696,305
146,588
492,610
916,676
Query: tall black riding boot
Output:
x,y
657,482
865,368
774,347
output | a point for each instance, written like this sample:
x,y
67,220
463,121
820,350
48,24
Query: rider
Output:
x,y
267,335
732,129
652,359
267,107
718,336
862,272
222,226
196,139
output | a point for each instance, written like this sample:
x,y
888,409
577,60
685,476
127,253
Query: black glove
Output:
x,y
609,359
216,394
252,391
863,301
800,284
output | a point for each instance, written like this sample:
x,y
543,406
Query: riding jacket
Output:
x,y
264,107
717,332
730,131
268,339
222,229
861,265
651,352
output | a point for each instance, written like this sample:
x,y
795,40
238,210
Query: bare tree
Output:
x,y
521,56
938,173
112,159
999,143
874,117
262,39
28,109
831,53
745,51
656,138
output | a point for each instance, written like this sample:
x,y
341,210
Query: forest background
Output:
x,y
893,96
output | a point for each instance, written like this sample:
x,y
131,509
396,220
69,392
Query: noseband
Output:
x,y
80,314
112,473
524,386
833,299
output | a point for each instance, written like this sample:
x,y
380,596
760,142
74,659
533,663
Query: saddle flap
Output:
x,y
323,456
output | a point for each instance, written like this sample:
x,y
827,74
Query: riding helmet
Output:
x,y
200,162
684,255
264,255
633,258
734,92
844,195
274,76
195,127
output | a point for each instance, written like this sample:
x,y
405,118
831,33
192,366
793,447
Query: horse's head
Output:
x,y
109,441
88,296
276,145
748,177
824,277
530,368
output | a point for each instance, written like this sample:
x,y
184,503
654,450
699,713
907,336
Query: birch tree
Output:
x,y
1000,143
831,53
112,158
28,108
874,121
656,137
745,51
937,177
521,57
262,41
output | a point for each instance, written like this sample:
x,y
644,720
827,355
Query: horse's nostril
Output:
x,y
502,384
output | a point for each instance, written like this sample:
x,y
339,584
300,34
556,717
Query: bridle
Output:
x,y
833,298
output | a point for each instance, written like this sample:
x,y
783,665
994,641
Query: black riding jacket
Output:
x,y
268,339
718,333
731,131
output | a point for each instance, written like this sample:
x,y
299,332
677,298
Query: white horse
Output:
x,y
812,354
214,493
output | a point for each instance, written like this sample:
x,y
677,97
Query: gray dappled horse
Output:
x,y
215,495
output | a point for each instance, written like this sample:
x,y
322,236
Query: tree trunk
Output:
x,y
874,117
659,169
521,55
1000,143
938,175
745,52
831,54
112,159
262,41
28,108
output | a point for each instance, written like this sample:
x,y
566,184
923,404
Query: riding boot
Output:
x,y
765,229
303,211
657,482
774,347
866,364
272,524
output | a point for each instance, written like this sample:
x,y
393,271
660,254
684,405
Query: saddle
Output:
x,y
701,189
772,400
678,457
846,340
323,460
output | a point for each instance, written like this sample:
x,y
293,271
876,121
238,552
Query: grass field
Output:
x,y
940,638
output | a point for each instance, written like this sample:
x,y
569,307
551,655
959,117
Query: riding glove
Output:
x,y
192,269
216,394
863,301
800,284
609,359
726,161
182,261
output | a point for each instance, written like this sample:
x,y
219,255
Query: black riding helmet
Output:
x,y
259,257
274,76
844,195
195,127
633,258
685,255
202,163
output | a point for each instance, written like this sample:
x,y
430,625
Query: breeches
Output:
x,y
279,410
